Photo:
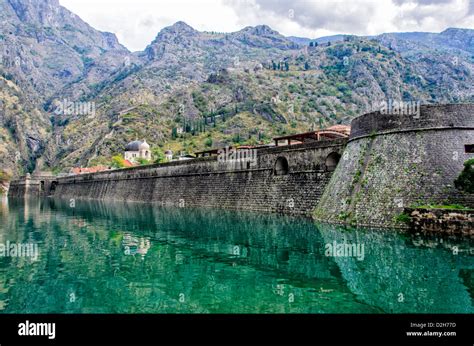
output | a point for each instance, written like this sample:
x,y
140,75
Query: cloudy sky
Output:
x,y
136,22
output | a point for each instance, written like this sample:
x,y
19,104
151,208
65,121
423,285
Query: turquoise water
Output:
x,y
96,257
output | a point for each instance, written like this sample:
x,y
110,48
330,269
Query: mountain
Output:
x,y
44,49
179,57
324,39
451,39
51,47
219,88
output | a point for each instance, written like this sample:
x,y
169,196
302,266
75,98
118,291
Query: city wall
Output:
x,y
287,179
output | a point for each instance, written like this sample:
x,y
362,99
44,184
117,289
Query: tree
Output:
x,y
311,44
315,44
141,161
274,65
236,138
118,161
287,66
329,43
158,155
306,66
321,123
174,133
279,67
208,142
465,181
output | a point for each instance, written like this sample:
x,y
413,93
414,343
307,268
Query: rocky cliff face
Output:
x,y
255,82
45,51
47,47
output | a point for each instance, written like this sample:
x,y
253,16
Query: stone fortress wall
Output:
x,y
392,162
31,185
265,185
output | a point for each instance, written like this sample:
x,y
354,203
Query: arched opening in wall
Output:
x,y
281,166
42,186
331,161
53,187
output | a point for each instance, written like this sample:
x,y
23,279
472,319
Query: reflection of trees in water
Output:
x,y
135,245
197,261
406,273
227,232
192,260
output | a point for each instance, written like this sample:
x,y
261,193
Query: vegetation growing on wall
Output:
x,y
465,181
403,217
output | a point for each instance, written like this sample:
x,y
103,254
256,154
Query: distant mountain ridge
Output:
x,y
325,39
458,38
256,82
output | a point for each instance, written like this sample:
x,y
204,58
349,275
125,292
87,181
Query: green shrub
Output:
x,y
199,101
293,88
118,161
158,155
142,161
208,142
465,181
403,217
343,216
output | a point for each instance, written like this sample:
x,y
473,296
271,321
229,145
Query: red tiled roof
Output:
x,y
340,128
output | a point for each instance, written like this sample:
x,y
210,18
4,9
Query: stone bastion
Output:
x,y
394,161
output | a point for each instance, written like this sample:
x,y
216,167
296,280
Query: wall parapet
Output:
x,y
430,117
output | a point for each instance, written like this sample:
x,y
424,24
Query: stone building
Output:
x,y
137,150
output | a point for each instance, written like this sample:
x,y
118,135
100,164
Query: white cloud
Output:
x,y
136,22
360,17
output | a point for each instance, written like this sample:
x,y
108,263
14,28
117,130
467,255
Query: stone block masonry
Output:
x,y
396,161
208,182
442,221
34,185
389,163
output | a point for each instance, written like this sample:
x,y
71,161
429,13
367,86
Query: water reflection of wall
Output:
x,y
3,206
215,261
262,239
405,274
240,263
